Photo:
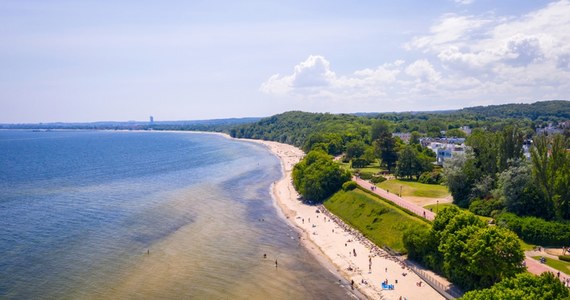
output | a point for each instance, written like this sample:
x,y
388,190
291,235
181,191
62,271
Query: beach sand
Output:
x,y
329,238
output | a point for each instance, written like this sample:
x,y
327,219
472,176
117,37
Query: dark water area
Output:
x,y
101,214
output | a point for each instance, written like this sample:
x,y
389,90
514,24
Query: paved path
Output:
x,y
416,209
533,266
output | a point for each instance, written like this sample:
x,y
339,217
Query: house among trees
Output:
x,y
404,136
445,150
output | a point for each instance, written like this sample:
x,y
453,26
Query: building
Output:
x,y
445,151
151,119
404,136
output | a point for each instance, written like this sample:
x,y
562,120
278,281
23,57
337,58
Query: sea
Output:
x,y
147,215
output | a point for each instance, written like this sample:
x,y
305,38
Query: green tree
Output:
x,y
408,163
332,141
477,256
519,192
493,253
422,247
444,217
482,188
455,133
380,128
484,147
415,138
455,263
550,169
355,149
317,177
386,150
510,146
523,287
369,154
460,175
385,145
411,162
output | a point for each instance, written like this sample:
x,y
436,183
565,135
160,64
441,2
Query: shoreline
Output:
x,y
336,245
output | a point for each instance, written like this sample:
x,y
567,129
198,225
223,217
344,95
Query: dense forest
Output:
x,y
296,127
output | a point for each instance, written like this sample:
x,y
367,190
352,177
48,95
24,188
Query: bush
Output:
x,y
349,186
378,179
536,231
359,163
433,177
564,257
484,207
366,176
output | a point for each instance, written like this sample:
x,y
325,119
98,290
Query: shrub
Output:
x,y
564,257
359,163
366,176
433,177
536,231
485,207
349,186
378,179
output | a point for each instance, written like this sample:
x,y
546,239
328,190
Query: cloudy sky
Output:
x,y
68,60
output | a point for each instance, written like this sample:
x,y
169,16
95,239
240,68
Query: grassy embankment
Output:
x,y
381,222
410,189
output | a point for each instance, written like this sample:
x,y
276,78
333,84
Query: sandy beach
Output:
x,y
353,256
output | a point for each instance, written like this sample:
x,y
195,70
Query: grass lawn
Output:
x,y
379,221
559,265
415,189
525,246
373,168
440,206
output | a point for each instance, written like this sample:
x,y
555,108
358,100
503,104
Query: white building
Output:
x,y
445,151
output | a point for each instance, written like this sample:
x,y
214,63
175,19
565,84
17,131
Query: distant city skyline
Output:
x,y
69,61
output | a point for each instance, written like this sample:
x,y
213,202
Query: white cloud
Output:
x,y
462,60
450,29
423,70
314,78
312,73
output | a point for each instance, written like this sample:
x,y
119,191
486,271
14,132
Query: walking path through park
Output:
x,y
416,209
533,266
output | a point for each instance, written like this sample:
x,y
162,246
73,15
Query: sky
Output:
x,y
84,61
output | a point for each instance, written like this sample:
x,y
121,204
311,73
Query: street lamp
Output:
x,y
437,207
400,191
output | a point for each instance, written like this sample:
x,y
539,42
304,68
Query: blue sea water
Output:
x,y
104,214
